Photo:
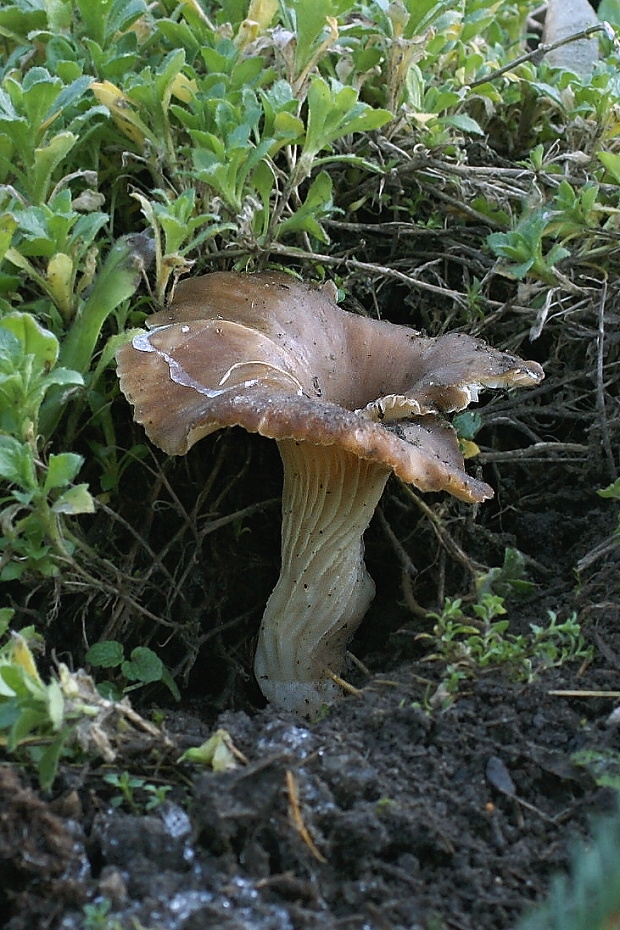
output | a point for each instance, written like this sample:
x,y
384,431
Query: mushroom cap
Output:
x,y
266,352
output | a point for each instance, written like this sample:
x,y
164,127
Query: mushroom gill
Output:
x,y
349,401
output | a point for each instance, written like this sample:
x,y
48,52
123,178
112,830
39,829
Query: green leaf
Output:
x,y
109,691
12,571
61,469
46,160
122,14
461,121
166,74
318,203
602,764
61,377
143,666
16,465
73,92
106,654
34,338
9,712
611,162
48,761
503,244
170,683
467,424
310,25
38,91
507,579
612,490
422,13
609,12
556,253
22,17
75,500
333,112
117,281
33,719
55,704
287,128
6,615
11,353
11,682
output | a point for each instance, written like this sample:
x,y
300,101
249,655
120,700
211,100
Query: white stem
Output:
x,y
328,498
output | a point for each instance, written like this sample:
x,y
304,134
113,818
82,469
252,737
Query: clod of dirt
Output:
x,y
42,859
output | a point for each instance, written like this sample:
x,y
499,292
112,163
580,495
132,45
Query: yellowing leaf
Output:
x,y
183,88
262,12
60,281
247,32
611,126
468,448
55,704
109,95
121,110
22,656
218,752
423,118
8,224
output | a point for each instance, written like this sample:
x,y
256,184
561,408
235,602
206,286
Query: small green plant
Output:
x,y
128,787
478,641
40,494
218,752
602,764
558,642
32,143
470,640
41,722
508,579
97,916
33,715
141,667
523,248
588,898
612,492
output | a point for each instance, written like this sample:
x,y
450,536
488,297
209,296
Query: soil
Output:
x,y
396,811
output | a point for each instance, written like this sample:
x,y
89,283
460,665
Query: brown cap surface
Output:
x,y
267,353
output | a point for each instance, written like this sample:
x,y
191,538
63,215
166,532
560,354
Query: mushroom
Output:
x,y
349,400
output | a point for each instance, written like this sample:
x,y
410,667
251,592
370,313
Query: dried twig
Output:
x,y
294,809
584,694
600,385
539,53
409,571
538,452
473,567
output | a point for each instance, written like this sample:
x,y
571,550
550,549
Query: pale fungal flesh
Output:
x,y
349,400
306,626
